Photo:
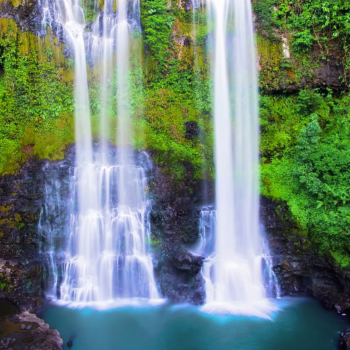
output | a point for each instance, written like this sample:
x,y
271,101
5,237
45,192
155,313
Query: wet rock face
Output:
x,y
20,269
21,201
26,14
298,268
178,274
175,223
326,75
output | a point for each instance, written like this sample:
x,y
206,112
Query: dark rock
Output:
x,y
344,341
326,75
187,43
70,341
22,198
39,336
185,261
6,343
26,15
175,223
180,282
192,129
299,269
178,274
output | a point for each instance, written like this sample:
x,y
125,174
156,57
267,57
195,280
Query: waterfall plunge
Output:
x,y
234,279
106,256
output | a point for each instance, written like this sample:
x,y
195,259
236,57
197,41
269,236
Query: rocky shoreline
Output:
x,y
26,331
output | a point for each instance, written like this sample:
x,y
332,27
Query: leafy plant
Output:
x,y
311,175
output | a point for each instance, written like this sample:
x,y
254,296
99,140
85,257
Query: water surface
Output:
x,y
300,324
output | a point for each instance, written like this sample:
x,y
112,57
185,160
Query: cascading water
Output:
x,y
206,248
236,277
54,226
107,255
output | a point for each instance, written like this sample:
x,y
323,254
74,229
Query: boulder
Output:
x,y
26,331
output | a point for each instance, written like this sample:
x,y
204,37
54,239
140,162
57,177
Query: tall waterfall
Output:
x,y
206,248
237,279
107,255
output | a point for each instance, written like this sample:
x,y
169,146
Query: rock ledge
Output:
x,y
26,331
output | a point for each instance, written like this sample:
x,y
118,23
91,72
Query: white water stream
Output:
x,y
107,256
234,273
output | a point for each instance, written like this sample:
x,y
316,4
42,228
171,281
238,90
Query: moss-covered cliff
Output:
x,y
35,97
304,68
304,62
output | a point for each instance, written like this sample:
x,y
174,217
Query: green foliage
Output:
x,y
268,18
164,132
310,169
157,21
177,91
318,20
282,118
304,136
91,9
161,107
303,41
325,23
36,94
35,104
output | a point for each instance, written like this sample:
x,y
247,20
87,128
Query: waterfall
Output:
x,y
106,255
206,248
236,276
108,258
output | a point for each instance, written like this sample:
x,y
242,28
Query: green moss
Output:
x,y
155,243
157,21
168,88
91,9
176,90
8,219
270,57
36,98
277,72
304,135
14,3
